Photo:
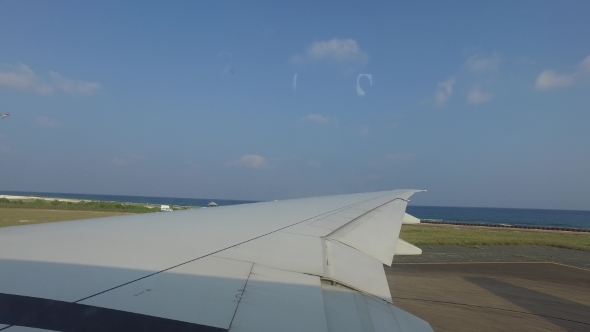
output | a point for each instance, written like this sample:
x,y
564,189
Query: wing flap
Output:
x,y
375,233
355,269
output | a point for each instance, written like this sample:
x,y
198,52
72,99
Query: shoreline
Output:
x,y
541,224
74,200
14,197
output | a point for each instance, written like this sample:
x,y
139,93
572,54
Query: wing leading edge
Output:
x,y
310,264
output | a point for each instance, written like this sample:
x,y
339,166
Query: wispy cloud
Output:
x,y
227,58
128,159
336,50
316,118
475,96
444,90
120,161
364,130
549,79
584,66
71,86
250,161
399,157
21,77
391,158
314,163
3,148
479,63
525,60
46,122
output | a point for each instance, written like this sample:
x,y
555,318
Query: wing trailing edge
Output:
x,y
376,233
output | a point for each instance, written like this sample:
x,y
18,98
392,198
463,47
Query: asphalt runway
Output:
x,y
513,296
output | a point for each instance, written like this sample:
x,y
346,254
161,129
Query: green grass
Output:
x,y
77,206
17,217
473,236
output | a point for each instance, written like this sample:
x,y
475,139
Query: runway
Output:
x,y
513,296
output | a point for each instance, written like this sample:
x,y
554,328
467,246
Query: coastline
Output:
x,y
13,197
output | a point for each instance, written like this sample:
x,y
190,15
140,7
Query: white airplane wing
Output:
x,y
313,264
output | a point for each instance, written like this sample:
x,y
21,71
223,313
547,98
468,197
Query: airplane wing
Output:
x,y
313,264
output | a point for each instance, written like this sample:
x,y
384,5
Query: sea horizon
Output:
x,y
464,214
54,194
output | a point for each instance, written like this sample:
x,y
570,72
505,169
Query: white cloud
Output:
x,y
443,91
477,97
314,163
478,63
550,80
250,161
72,86
364,130
22,77
46,122
317,118
335,50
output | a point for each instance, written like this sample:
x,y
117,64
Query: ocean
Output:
x,y
514,217
520,217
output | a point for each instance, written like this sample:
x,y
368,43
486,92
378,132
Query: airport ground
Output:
x,y
468,278
495,288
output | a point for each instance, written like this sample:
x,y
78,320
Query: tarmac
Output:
x,y
495,288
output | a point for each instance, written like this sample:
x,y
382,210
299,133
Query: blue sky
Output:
x,y
480,103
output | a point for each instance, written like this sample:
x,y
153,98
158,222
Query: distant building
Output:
x,y
165,208
212,204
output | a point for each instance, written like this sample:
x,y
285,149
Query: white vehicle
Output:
x,y
165,208
2,116
312,264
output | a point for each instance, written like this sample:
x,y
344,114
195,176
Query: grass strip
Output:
x,y
473,236
18,217
78,206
